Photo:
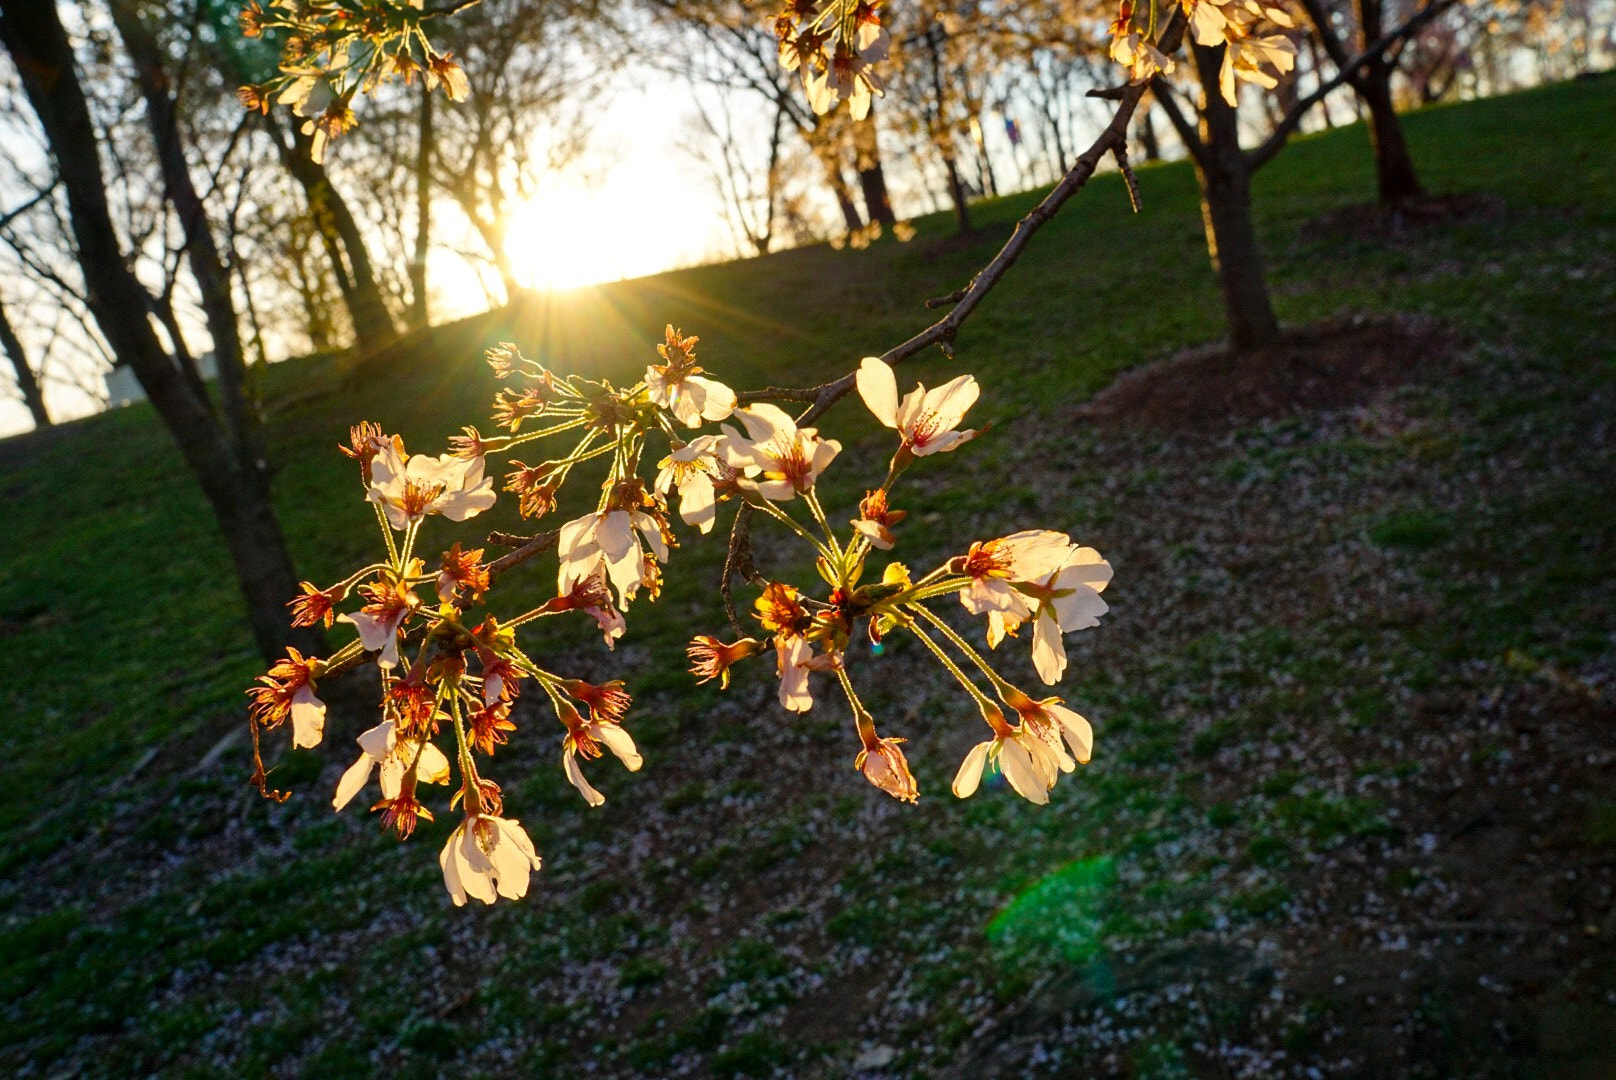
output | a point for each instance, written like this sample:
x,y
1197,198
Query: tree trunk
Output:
x,y
872,177
1147,134
957,194
942,137
1231,238
1394,165
27,381
1395,177
339,232
32,33
822,142
423,213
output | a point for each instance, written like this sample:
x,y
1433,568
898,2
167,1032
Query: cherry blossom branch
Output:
x,y
525,547
738,560
1113,140
943,331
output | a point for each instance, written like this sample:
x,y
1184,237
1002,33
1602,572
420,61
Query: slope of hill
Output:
x,y
1351,805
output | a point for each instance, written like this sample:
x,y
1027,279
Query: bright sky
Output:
x,y
636,205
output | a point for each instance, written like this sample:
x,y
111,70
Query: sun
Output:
x,y
572,234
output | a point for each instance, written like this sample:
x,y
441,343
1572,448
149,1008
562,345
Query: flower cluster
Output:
x,y
1038,577
451,668
1253,54
835,44
333,50
445,659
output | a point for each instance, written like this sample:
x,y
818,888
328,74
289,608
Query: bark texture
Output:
x,y
1231,235
27,382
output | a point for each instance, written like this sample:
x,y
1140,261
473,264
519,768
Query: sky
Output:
x,y
635,206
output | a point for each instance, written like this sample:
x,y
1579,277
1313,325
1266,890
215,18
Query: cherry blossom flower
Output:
x,y
589,593
1134,51
378,622
462,570
381,746
1247,57
611,538
316,605
534,487
679,387
403,812
1141,57
443,69
584,740
1052,721
711,659
500,677
409,488
1027,762
1068,600
925,419
365,441
288,693
415,702
875,520
689,469
485,857
1208,23
883,764
994,566
781,612
781,460
848,76
608,701
487,726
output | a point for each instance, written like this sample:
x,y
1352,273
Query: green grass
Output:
x,y
126,657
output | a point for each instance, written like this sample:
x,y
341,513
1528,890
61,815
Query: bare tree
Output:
x,y
527,114
749,190
1224,170
727,46
236,484
241,60
1395,178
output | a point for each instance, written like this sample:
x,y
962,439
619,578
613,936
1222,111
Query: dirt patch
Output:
x,y
1372,221
1332,365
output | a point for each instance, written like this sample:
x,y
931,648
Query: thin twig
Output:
x,y
448,9
530,546
738,560
1120,152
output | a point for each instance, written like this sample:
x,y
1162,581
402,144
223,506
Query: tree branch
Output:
x,y
447,9
941,333
1181,123
1275,142
526,547
1113,140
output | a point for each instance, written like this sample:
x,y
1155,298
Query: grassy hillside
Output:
x,y
1351,802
